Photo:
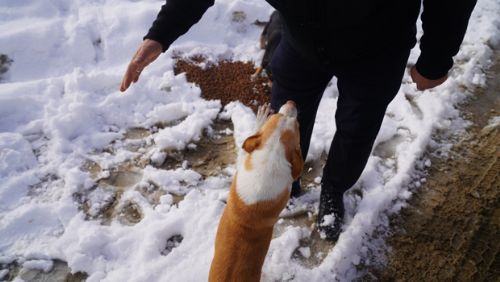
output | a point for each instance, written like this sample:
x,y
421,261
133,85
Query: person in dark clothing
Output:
x,y
364,44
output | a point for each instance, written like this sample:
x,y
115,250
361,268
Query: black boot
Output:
x,y
330,214
295,193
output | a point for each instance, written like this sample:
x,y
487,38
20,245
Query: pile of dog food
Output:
x,y
226,80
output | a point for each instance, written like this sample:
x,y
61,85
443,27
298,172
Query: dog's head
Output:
x,y
278,134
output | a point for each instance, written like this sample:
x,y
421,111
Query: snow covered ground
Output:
x,y
60,108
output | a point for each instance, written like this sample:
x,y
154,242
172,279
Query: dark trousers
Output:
x,y
365,89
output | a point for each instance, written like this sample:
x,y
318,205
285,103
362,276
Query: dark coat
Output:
x,y
342,31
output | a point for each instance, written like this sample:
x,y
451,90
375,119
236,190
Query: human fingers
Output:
x,y
131,75
417,78
145,54
132,71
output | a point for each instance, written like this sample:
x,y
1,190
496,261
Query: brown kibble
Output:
x,y
226,81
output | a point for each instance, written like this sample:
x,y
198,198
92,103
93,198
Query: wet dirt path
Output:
x,y
451,229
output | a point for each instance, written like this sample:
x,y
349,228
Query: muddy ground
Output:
x,y
451,229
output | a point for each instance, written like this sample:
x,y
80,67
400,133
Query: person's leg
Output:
x,y
296,79
365,90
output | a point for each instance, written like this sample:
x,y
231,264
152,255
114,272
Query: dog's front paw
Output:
x,y
263,113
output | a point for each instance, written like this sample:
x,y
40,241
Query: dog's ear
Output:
x,y
252,143
297,163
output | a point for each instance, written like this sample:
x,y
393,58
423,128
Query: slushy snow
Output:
x,y
60,108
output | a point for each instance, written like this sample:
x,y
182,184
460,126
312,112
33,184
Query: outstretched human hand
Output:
x,y
147,53
425,83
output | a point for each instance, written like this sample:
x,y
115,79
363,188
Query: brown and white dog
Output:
x,y
268,164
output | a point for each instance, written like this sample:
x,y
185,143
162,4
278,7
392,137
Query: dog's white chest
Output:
x,y
269,175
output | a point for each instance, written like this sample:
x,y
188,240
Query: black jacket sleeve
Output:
x,y
444,23
175,19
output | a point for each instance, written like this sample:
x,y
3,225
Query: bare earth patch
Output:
x,y
451,230
211,155
59,272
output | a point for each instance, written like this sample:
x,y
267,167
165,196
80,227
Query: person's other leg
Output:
x,y
296,79
365,90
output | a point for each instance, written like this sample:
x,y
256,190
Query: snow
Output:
x,y
329,219
16,154
60,107
494,122
44,265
